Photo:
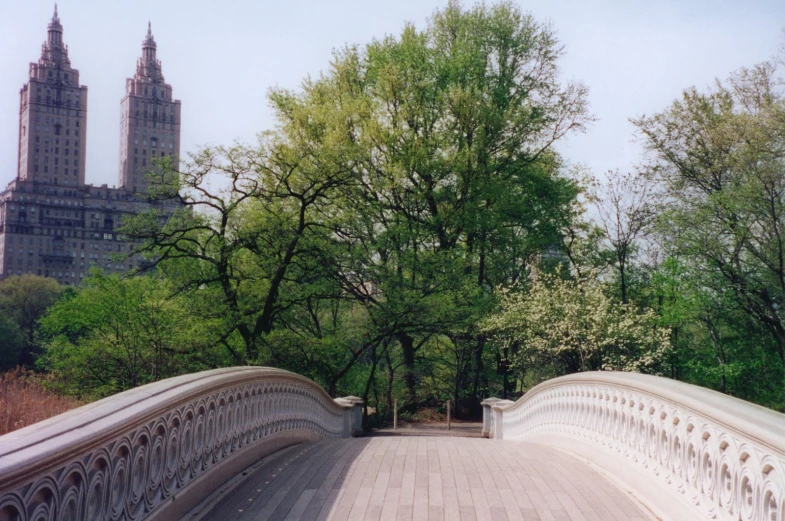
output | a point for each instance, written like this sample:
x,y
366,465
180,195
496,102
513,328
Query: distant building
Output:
x,y
52,223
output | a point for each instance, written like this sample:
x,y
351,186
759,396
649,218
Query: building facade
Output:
x,y
54,224
150,119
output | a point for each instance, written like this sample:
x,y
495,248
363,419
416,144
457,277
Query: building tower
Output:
x,y
53,117
149,122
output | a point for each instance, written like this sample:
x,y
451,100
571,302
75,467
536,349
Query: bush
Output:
x,y
25,399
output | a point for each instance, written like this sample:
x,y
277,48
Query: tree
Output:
x,y
10,343
624,207
24,299
718,156
115,334
714,342
238,242
457,187
562,325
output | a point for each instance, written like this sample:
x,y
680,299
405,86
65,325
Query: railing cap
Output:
x,y
501,405
748,419
349,401
490,401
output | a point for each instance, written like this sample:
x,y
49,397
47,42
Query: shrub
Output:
x,y
25,399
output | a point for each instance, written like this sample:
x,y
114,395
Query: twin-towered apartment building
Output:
x,y
52,223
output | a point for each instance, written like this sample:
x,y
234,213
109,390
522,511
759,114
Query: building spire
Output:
x,y
55,31
149,39
149,46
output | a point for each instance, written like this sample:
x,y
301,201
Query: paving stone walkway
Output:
x,y
414,478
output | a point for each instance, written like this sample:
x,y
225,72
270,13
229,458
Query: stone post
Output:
x,y
352,415
497,423
487,416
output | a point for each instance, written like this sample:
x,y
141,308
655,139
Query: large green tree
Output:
x,y
719,157
244,235
457,188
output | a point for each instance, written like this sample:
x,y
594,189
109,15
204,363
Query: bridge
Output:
x,y
260,443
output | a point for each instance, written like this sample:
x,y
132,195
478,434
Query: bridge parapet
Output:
x,y
156,451
721,457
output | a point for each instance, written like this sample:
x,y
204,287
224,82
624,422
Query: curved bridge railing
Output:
x,y
156,451
723,457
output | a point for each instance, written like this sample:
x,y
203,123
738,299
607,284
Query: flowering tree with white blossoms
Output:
x,y
563,325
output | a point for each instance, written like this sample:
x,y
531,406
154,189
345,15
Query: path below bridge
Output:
x,y
421,477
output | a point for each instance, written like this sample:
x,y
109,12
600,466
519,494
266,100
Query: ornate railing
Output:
x,y
723,458
156,451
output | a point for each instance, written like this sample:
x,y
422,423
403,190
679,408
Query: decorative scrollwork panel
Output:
x,y
132,473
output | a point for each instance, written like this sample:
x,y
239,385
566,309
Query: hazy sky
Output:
x,y
221,57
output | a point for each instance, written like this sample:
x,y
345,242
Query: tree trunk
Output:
x,y
474,400
367,392
407,347
390,381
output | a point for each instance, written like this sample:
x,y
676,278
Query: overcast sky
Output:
x,y
636,56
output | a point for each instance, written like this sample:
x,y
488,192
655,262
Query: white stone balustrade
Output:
x,y
720,457
156,451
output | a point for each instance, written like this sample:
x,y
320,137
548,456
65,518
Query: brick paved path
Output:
x,y
412,478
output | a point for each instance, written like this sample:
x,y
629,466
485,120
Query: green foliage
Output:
x,y
23,301
717,156
115,334
448,135
714,342
10,343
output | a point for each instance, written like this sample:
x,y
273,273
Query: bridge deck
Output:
x,y
411,478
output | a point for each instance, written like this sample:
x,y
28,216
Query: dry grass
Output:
x,y
24,400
